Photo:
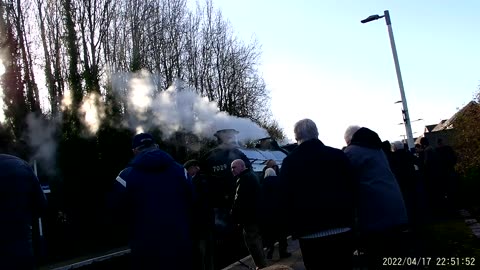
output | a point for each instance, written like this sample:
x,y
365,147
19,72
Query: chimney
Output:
x,y
227,137
264,143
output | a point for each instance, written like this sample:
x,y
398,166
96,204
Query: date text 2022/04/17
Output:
x,y
429,261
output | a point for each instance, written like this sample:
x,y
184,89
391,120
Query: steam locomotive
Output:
x,y
217,170
215,165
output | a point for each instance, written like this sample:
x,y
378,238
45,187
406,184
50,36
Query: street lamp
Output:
x,y
406,117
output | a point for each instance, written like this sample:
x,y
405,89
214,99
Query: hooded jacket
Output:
x,y
22,201
157,195
380,202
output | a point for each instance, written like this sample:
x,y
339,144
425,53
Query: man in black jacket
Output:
x,y
245,210
319,200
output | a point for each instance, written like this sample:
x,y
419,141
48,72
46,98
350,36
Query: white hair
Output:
x,y
397,145
270,172
349,133
304,130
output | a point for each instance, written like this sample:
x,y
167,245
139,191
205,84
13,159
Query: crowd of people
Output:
x,y
365,196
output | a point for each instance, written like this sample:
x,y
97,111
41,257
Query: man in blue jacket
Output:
x,y
156,195
22,202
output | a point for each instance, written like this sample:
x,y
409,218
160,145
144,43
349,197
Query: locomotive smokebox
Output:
x,y
227,137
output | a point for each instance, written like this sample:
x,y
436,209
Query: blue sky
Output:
x,y
320,62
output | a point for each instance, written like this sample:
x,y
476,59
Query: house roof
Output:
x,y
442,125
449,123
429,128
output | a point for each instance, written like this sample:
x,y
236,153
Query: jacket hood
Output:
x,y
366,138
152,160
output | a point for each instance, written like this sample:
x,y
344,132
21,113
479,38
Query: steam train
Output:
x,y
217,170
229,243
216,163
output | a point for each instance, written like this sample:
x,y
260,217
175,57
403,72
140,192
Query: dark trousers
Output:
x,y
380,246
253,240
203,254
329,252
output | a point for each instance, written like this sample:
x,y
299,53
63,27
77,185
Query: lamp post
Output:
x,y
406,117
419,119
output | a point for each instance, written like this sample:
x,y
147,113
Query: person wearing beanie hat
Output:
x,y
204,218
381,213
143,141
156,196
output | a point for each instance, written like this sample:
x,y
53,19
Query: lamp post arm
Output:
x,y
406,117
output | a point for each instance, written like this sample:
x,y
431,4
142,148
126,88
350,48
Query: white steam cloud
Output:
x,y
93,112
67,100
41,137
179,108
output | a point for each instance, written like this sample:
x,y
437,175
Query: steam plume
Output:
x,y
93,112
41,137
179,108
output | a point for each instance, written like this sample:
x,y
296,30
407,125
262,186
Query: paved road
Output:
x,y
293,262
